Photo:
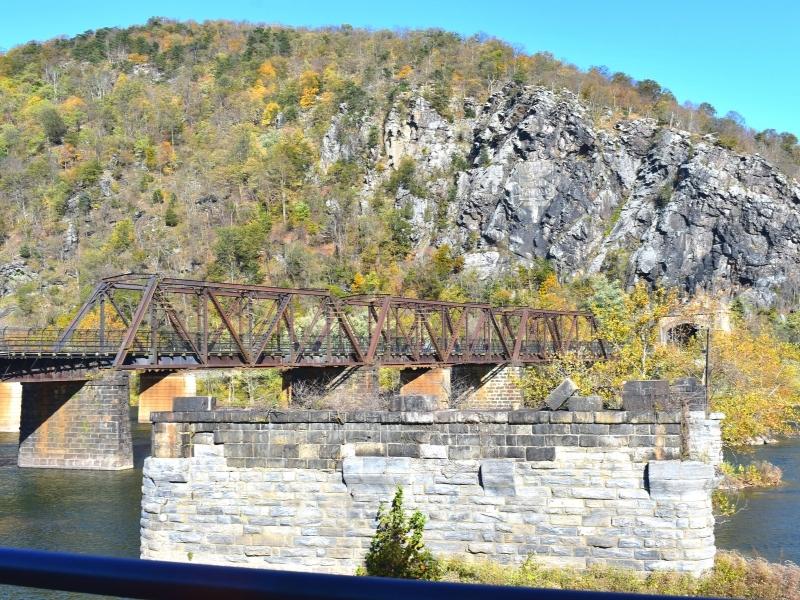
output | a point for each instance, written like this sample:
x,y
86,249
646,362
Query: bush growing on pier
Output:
x,y
397,549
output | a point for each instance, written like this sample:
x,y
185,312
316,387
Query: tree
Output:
x,y
122,236
53,125
170,215
397,549
238,251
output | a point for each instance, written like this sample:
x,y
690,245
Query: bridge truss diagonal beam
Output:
x,y
144,321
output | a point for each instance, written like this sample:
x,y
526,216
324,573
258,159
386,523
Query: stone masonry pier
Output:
x,y
300,489
76,424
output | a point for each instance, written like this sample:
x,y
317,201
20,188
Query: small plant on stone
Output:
x,y
397,549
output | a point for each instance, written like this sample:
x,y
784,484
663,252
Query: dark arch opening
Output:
x,y
683,333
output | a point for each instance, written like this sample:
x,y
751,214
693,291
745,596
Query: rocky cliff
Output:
x,y
643,201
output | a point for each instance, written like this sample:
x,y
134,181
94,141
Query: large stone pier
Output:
x,y
300,489
76,424
10,406
158,390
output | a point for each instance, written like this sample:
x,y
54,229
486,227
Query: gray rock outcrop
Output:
x,y
666,207
12,275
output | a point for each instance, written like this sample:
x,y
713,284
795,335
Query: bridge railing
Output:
x,y
158,580
15,340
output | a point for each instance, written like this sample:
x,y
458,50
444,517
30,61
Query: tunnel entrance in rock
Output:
x,y
683,334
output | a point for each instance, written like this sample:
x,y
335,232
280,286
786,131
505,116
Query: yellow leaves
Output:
x,y
122,237
365,284
166,157
32,105
551,295
73,110
755,381
331,78
72,104
121,82
258,92
265,85
138,59
358,283
404,72
267,71
309,88
271,111
326,97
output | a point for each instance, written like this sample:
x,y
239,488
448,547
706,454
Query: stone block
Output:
x,y
585,403
194,403
561,394
432,451
602,541
646,396
497,477
540,454
414,403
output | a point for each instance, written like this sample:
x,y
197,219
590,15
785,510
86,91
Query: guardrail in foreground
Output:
x,y
158,580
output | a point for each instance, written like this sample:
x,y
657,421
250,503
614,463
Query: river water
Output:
x,y
767,522
97,512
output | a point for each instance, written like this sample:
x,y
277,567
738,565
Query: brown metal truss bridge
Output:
x,y
149,322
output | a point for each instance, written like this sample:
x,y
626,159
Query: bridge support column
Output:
x,y
158,390
487,387
10,407
433,382
330,387
76,424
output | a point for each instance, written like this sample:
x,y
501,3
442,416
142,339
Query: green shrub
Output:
x,y
397,549
53,125
171,215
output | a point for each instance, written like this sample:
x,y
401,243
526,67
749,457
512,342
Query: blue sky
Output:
x,y
737,55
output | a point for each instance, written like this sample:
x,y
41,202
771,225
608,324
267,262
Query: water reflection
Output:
x,y
92,512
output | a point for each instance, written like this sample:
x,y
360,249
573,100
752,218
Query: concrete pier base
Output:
x,y
76,424
10,407
157,391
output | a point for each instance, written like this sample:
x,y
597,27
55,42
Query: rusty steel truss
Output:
x,y
135,321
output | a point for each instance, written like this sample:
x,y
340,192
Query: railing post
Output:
x,y
102,322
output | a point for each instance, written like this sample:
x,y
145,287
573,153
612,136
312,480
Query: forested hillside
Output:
x,y
369,161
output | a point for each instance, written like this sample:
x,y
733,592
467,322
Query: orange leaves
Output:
x,y
404,72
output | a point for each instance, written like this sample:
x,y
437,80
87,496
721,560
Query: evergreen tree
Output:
x,y
170,215
397,549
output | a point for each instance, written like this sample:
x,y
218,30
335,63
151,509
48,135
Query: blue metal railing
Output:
x,y
157,580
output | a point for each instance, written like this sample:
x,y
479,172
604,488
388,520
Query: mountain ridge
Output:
x,y
419,163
